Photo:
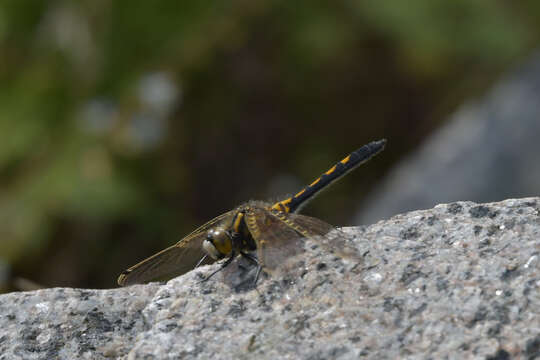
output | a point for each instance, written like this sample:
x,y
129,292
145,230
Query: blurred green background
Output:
x,y
125,124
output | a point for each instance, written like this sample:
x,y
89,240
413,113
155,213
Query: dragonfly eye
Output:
x,y
217,243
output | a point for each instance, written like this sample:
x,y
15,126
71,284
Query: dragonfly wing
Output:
x,y
174,260
276,241
332,239
307,225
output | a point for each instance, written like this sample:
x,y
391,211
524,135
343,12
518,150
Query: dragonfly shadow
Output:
x,y
240,275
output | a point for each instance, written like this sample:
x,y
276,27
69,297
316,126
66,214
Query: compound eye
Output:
x,y
213,235
217,243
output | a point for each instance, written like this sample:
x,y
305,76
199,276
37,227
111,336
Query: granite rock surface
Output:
x,y
459,281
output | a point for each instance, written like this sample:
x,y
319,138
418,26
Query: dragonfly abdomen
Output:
x,y
336,172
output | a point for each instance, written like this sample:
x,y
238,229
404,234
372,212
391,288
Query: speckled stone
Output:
x,y
459,281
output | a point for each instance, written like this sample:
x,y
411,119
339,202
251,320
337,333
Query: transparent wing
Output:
x,y
276,241
174,260
308,225
278,236
330,238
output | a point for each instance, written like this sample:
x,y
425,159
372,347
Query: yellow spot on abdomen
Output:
x,y
331,170
300,192
315,182
346,160
282,205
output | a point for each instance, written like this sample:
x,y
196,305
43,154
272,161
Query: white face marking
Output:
x,y
210,249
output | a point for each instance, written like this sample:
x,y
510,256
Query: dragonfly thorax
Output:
x,y
218,243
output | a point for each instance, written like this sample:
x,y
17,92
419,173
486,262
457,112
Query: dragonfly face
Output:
x,y
218,243
227,239
269,229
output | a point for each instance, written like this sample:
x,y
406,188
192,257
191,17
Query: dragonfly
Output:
x,y
270,230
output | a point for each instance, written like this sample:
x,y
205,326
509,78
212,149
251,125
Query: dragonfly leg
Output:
x,y
259,268
200,261
223,266
250,257
255,261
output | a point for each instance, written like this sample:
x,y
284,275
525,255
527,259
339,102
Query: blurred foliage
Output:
x,y
126,124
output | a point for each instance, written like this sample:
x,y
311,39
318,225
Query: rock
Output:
x,y
460,280
487,151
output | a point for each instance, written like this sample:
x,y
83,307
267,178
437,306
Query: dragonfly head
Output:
x,y
217,244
